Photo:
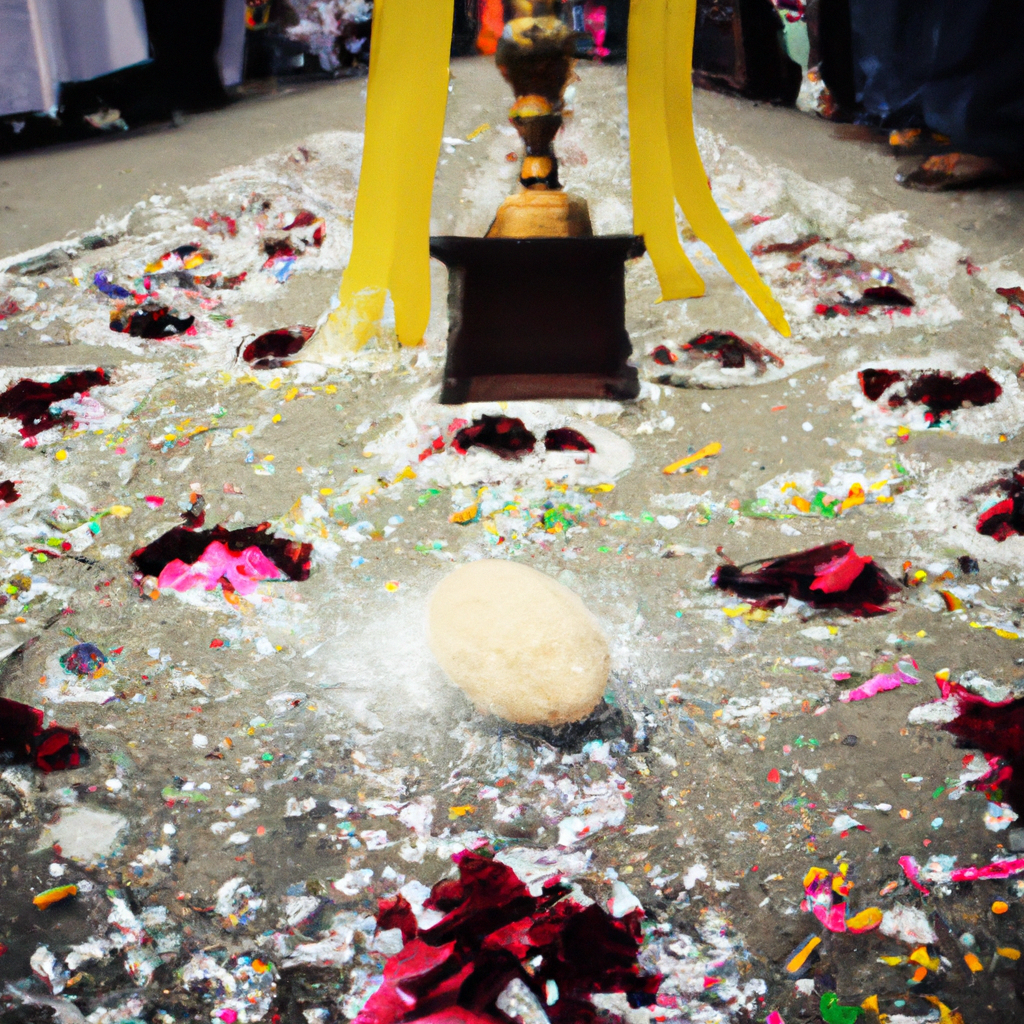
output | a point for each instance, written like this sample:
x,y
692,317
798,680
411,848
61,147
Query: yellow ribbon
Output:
x,y
666,163
406,95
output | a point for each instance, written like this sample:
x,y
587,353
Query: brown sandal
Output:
x,y
917,142
946,171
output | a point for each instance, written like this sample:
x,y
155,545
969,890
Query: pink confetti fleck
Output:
x,y
243,570
913,872
879,684
1000,869
833,918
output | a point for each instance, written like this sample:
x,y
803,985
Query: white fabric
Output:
x,y
20,86
231,57
46,42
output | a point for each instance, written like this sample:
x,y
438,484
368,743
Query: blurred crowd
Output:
x,y
943,78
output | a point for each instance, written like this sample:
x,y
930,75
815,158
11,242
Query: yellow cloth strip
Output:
x,y
406,97
654,212
691,180
660,119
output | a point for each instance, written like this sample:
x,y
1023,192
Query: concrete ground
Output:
x,y
266,766
108,176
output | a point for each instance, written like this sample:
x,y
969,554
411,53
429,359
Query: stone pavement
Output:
x,y
269,759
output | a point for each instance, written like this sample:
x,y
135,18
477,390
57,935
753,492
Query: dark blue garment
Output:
x,y
953,66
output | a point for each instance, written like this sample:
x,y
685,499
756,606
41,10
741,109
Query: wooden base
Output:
x,y
537,318
517,387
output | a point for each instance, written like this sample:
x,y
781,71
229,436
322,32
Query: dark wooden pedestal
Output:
x,y
537,318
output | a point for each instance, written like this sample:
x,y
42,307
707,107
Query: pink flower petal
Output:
x,y
879,684
838,574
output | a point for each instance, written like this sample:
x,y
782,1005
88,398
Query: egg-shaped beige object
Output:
x,y
518,643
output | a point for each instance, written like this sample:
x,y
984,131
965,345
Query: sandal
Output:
x,y
920,141
947,171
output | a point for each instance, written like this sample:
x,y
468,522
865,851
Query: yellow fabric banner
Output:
x,y
666,163
406,97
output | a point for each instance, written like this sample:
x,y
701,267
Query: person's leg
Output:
x,y
834,50
975,96
616,28
975,93
185,36
892,58
949,68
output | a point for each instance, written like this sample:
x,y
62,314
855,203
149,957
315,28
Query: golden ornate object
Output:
x,y
535,56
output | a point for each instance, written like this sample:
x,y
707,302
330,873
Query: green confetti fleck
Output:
x,y
825,505
833,1013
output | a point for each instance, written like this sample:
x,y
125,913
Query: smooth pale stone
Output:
x,y
518,643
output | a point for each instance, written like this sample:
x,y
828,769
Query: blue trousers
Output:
x,y
953,66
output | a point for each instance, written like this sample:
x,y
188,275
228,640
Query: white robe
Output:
x,y
46,42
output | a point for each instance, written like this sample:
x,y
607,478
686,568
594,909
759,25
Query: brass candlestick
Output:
x,y
535,56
